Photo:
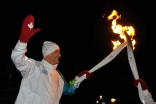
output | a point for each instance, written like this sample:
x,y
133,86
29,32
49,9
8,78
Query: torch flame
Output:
x,y
116,44
119,29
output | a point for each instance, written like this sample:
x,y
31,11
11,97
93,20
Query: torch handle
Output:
x,y
133,66
106,60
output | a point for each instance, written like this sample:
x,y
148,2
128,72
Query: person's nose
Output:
x,y
60,54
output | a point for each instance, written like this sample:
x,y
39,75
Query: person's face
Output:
x,y
53,58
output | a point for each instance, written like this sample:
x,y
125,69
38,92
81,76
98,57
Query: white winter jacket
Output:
x,y
41,82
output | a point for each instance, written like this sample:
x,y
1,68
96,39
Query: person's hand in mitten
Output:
x,y
27,30
147,95
88,74
142,82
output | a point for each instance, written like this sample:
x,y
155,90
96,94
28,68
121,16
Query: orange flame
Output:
x,y
116,44
119,29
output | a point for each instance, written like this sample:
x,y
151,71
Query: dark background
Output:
x,y
84,37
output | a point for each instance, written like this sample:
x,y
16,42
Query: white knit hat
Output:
x,y
49,47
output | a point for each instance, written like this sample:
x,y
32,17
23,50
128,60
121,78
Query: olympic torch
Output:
x,y
118,47
125,33
105,61
133,66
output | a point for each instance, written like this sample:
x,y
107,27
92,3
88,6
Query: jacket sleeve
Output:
x,y
24,64
148,97
68,89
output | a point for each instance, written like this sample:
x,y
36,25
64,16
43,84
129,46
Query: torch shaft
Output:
x,y
109,58
133,66
106,60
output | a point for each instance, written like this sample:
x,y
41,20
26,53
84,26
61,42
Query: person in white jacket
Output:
x,y
147,95
42,83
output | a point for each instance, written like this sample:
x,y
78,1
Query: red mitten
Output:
x,y
88,74
142,82
27,29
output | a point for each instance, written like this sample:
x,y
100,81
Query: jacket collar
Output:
x,y
47,65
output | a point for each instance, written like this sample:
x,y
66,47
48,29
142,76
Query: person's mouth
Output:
x,y
57,57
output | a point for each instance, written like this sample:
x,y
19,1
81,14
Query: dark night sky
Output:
x,y
85,39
